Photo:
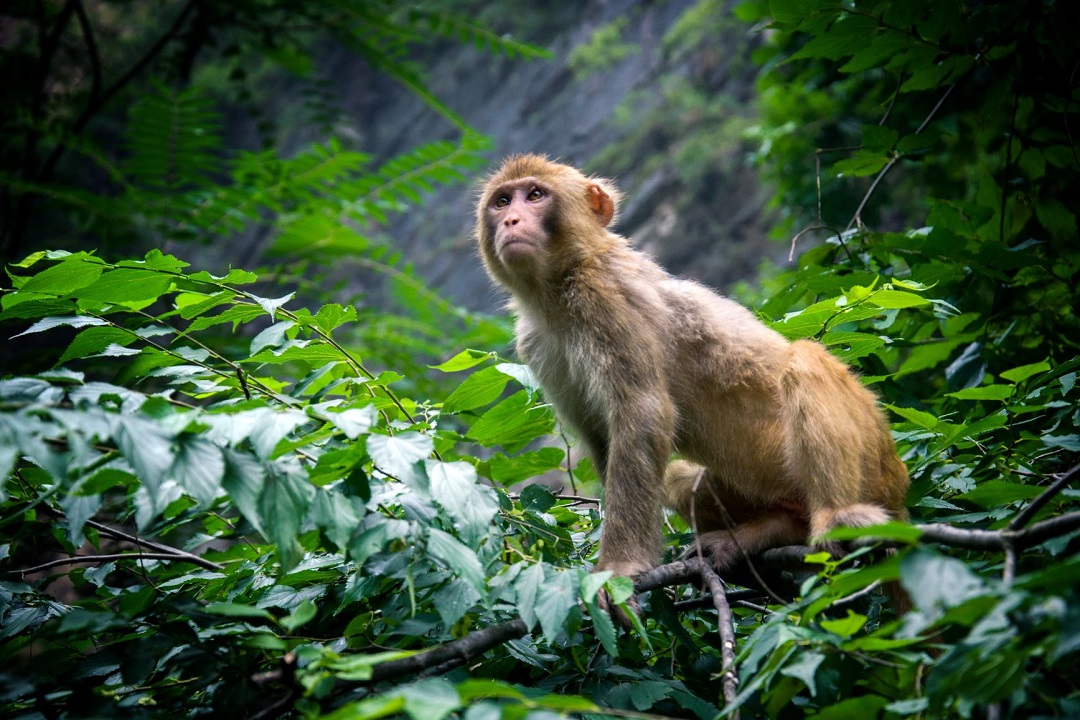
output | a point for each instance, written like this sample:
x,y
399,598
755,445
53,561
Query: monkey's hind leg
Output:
x,y
832,440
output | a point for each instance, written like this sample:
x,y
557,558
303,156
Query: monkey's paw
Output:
x,y
715,548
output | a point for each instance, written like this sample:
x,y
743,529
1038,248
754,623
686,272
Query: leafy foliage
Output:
x,y
229,494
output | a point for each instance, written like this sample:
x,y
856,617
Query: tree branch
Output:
x,y
91,559
1024,516
725,625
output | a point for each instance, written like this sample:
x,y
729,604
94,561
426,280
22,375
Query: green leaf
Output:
x,y
430,699
592,583
228,609
236,315
936,583
95,339
1055,217
464,360
510,470
302,615
458,558
512,423
282,506
920,418
604,627
1023,372
984,392
527,586
804,668
200,468
861,164
397,455
271,426
845,627
244,479
896,299
336,514
52,322
997,493
472,506
65,277
353,422
477,390
124,285
192,305
555,598
148,448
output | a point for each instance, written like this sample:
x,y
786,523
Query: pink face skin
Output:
x,y
517,212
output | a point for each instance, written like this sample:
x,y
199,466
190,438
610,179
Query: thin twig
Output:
x,y
91,559
1024,516
857,217
91,49
725,625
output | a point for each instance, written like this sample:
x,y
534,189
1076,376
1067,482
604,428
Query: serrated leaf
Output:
x,y
236,315
998,493
353,422
457,557
336,514
896,299
555,598
512,423
1022,373
95,339
191,305
282,506
304,613
477,390
272,336
52,322
984,392
804,668
63,278
920,418
244,479
527,586
592,583
463,361
472,506
935,582
604,627
315,355
199,469
125,285
228,609
397,455
148,448
271,426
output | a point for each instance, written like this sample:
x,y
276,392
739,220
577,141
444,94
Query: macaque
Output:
x,y
778,441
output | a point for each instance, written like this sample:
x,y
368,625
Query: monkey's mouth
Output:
x,y
516,246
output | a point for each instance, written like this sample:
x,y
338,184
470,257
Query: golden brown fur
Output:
x,y
642,365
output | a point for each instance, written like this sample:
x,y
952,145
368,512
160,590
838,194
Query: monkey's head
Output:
x,y
538,218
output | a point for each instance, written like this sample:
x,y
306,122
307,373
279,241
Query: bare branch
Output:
x,y
725,625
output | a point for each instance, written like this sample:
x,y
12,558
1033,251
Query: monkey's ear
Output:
x,y
601,202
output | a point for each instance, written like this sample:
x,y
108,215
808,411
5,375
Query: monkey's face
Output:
x,y
518,217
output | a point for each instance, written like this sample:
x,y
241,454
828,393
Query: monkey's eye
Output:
x,y
535,194
502,201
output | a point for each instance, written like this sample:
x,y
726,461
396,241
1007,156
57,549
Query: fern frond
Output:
x,y
174,139
459,28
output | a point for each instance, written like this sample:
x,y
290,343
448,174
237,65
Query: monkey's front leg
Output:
x,y
641,429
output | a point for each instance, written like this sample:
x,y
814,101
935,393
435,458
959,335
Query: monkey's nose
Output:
x,y
512,220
